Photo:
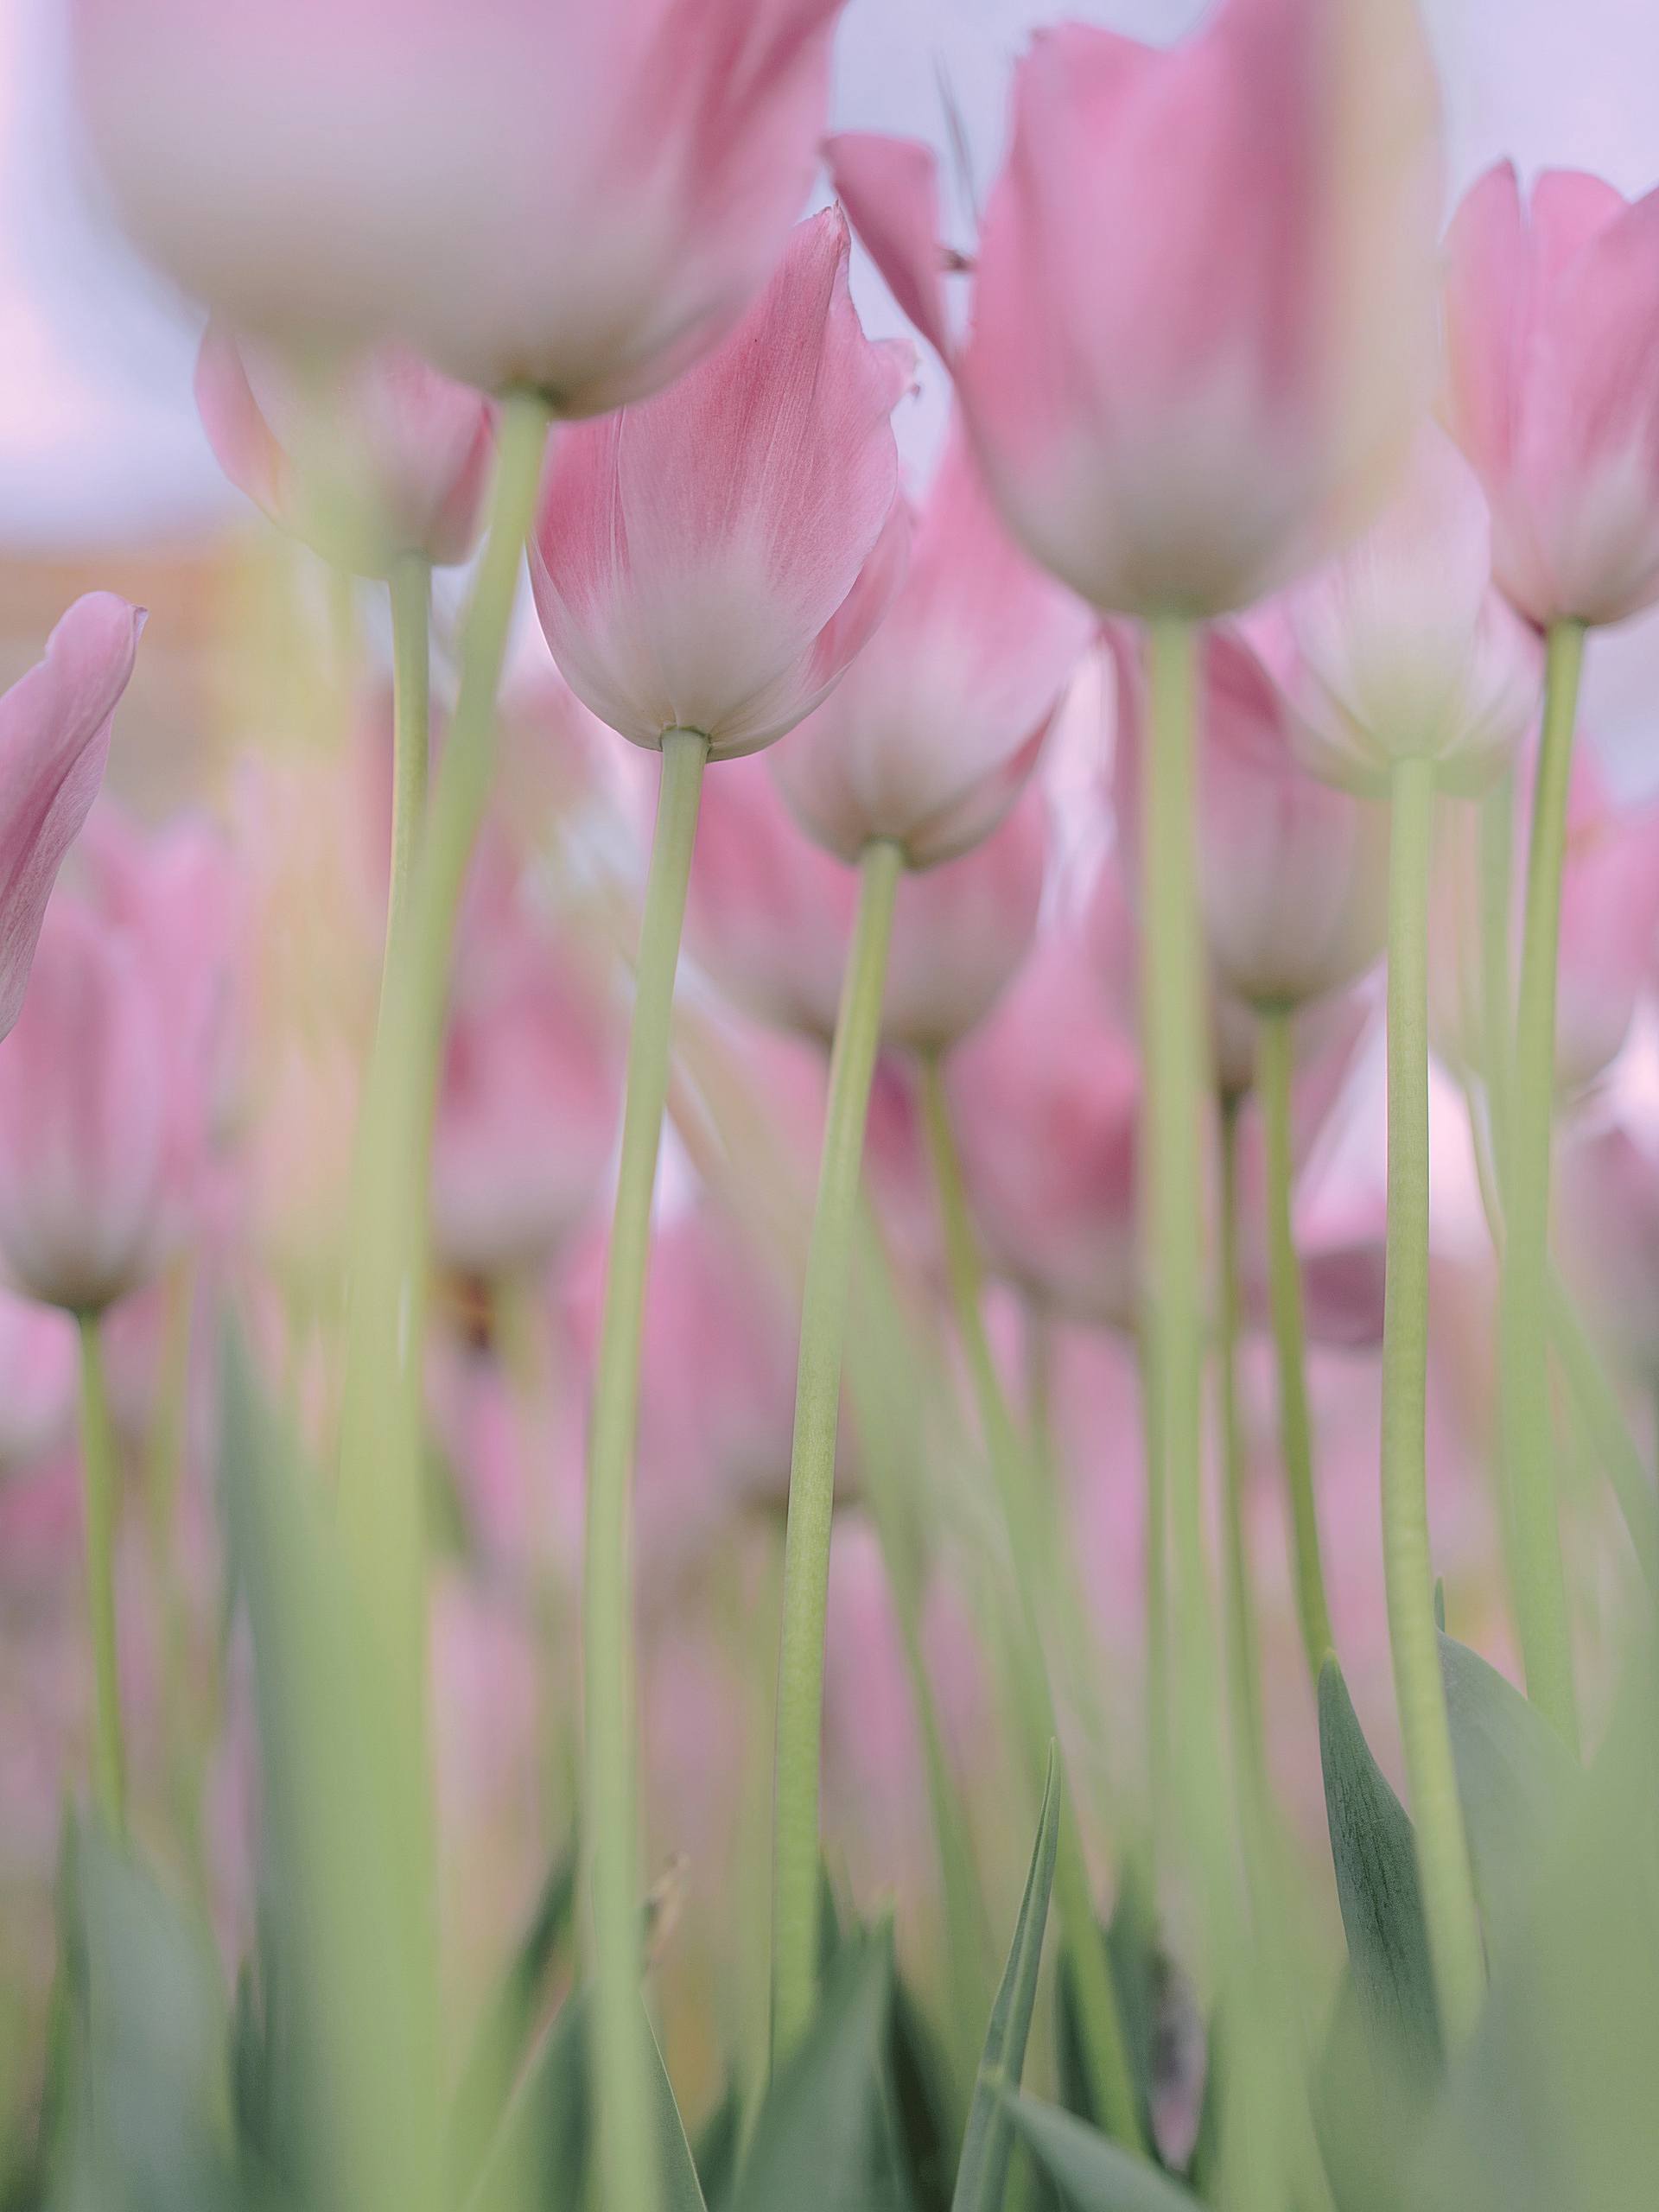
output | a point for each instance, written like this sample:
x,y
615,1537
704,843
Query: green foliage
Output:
x,y
1092,2173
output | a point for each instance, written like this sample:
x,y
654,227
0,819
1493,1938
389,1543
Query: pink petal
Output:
x,y
242,439
890,188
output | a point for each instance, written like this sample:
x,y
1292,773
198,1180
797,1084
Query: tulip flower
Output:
x,y
1552,351
54,740
930,736
770,916
373,460
535,193
37,1381
1609,1234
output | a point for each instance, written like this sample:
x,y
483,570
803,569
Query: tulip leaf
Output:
x,y
1092,2173
825,2141
1516,1777
1375,1859
987,2146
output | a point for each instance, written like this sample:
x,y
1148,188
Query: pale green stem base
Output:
x,y
1275,1060
1523,1319
628,2164
410,586
1442,1851
100,1474
1243,1644
812,1462
1101,2029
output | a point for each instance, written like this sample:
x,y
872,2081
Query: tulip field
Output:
x,y
829,1282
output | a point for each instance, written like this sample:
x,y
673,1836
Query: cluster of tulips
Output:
x,y
491,1613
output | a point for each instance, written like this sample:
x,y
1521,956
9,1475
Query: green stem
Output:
x,y
1101,2027
163,1468
1523,1319
627,2164
812,1461
1496,1007
1274,1061
1243,1652
1442,1852
100,1471
410,587
1174,1055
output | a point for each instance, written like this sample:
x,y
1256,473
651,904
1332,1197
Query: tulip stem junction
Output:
x,y
97,1453
1454,1941
627,2164
1274,1060
1523,1315
812,1458
1243,1646
1104,2049
410,587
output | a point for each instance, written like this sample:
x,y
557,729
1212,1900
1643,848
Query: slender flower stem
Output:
x,y
812,1461
1497,983
410,587
1243,1649
1100,2025
1274,1056
1174,1052
102,1491
627,2163
1442,1851
1523,1319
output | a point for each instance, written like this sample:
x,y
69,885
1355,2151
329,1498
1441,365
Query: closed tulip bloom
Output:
x,y
1046,1101
714,559
1202,310
1552,323
369,459
1404,649
530,192
929,737
1292,873
55,740
770,915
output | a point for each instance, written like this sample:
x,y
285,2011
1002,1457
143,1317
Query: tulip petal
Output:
x,y
890,188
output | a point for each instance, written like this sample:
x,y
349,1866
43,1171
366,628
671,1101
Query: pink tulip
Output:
x,y
713,559
771,917
1293,874
54,740
530,192
369,461
1552,323
37,1381
1609,917
1047,1097
1607,1216
1202,319
928,738
530,1086
1401,647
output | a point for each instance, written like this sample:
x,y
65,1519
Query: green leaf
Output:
x,y
1092,2173
987,2146
1375,1859
825,2139
1516,1778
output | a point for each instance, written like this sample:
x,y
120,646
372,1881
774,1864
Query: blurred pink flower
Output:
x,y
1552,321
531,1088
770,916
1293,874
930,736
38,1366
1609,917
54,740
1046,1096
1607,1228
714,559
1202,314
531,192
1402,647
369,459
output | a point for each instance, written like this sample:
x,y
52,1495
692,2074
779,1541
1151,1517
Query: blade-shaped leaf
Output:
x,y
1092,2173
825,2141
981,2176
1516,1778
1376,1858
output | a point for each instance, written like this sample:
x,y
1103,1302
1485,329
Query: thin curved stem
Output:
x,y
1523,1318
1274,1060
100,1472
1099,2021
610,1817
1243,1646
1442,1850
812,1460
410,586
